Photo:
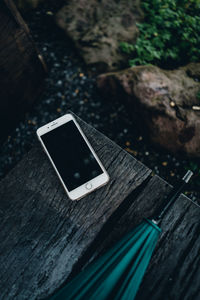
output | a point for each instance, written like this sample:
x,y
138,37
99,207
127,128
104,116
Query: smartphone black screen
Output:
x,y
71,155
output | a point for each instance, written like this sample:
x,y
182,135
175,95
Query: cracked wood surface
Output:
x,y
43,233
174,271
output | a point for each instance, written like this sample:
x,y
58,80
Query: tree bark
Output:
x,y
22,69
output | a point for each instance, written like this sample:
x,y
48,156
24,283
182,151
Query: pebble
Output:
x,y
49,13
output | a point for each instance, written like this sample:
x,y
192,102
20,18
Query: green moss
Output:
x,y
169,36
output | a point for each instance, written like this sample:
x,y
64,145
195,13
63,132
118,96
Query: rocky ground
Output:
x,y
69,85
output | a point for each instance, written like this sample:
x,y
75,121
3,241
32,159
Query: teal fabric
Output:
x,y
118,273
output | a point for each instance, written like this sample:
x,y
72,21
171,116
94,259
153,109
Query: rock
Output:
x,y
27,4
98,26
165,103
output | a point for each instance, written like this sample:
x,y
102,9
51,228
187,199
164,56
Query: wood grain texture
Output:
x,y
174,271
43,233
21,71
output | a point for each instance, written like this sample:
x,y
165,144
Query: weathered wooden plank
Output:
x,y
174,271
21,71
43,233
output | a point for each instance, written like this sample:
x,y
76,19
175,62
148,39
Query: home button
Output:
x,y
88,186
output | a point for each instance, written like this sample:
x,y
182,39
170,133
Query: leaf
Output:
x,y
169,35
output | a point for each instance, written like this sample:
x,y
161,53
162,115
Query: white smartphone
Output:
x,y
73,158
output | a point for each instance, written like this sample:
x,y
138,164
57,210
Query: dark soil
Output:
x,y
70,85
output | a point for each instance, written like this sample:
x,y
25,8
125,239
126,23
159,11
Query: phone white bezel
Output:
x,y
94,183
